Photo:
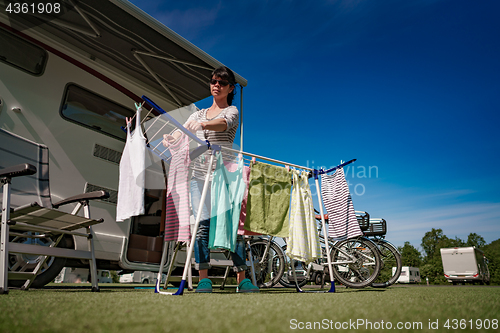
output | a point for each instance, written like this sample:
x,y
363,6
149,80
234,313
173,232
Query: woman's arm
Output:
x,y
217,125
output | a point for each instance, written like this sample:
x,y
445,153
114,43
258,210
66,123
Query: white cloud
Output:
x,y
456,220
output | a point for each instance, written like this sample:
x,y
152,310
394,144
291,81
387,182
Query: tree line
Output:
x,y
430,263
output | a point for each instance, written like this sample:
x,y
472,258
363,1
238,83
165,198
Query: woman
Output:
x,y
218,124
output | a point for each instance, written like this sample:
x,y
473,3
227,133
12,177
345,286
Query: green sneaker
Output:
x,y
204,286
246,286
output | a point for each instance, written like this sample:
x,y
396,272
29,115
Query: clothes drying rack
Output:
x,y
154,130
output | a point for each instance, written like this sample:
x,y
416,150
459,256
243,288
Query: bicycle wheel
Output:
x,y
390,259
287,279
356,262
268,270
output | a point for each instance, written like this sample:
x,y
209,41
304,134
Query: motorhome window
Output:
x,y
95,112
21,54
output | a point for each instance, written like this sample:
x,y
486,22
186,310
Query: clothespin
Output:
x,y
287,168
253,160
240,156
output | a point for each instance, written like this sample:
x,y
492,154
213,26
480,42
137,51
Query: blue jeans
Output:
x,y
201,250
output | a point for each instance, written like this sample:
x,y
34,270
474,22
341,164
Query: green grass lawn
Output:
x,y
272,310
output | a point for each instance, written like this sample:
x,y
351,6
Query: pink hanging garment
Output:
x,y
231,167
177,203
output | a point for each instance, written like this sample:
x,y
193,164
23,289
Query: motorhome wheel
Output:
x,y
26,263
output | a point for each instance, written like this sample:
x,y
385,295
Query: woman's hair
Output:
x,y
226,74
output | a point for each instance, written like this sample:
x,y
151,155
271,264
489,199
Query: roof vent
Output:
x,y
113,194
107,154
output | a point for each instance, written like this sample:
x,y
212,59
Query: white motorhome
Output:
x,y
81,275
465,264
68,82
141,277
408,275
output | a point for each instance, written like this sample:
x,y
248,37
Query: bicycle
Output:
x,y
355,263
268,260
375,230
302,273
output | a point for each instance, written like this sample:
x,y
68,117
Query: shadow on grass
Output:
x,y
228,290
278,290
376,290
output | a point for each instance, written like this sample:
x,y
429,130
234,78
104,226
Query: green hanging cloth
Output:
x,y
268,200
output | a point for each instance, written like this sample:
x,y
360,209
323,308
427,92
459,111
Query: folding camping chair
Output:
x,y
23,217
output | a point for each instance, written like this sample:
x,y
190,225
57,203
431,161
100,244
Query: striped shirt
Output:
x,y
224,138
177,199
342,221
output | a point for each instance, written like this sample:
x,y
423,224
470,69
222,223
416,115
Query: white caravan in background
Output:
x,y
408,275
465,264
68,82
81,275
141,277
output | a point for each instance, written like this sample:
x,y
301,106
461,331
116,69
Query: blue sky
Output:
x,y
411,89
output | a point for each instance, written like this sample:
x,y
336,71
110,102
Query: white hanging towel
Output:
x,y
303,241
132,173
342,222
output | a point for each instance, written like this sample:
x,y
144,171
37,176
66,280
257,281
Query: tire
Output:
x,y
314,276
145,281
287,280
269,271
390,258
23,262
361,262
317,278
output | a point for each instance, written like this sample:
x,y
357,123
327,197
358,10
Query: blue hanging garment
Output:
x,y
228,189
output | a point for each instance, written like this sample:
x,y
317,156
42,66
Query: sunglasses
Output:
x,y
222,83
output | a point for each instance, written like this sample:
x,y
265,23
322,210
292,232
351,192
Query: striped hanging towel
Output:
x,y
342,222
177,203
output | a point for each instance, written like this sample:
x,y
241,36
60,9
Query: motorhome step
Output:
x,y
20,275
140,255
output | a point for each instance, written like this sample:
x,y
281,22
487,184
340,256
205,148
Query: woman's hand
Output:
x,y
193,126
170,139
